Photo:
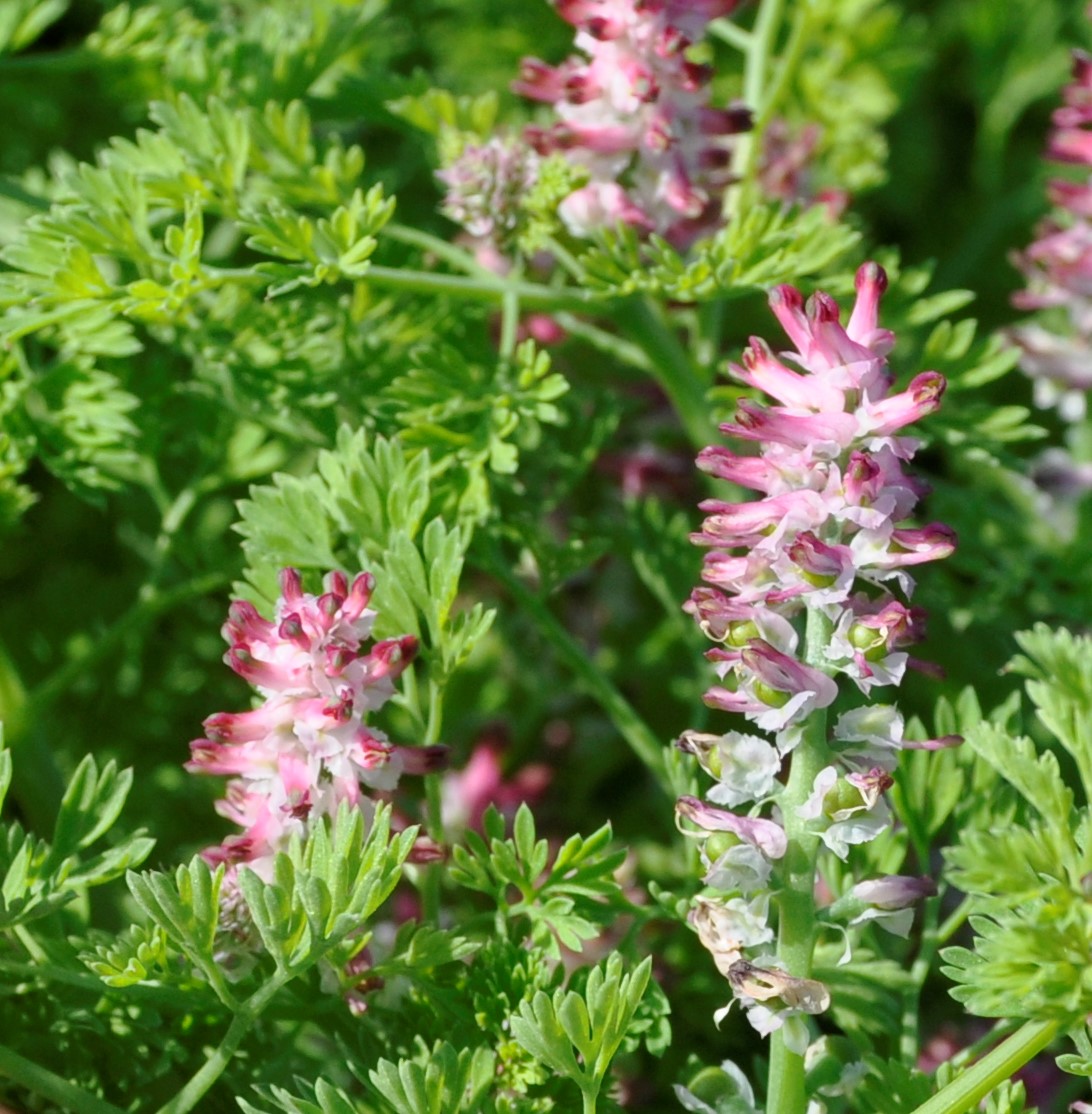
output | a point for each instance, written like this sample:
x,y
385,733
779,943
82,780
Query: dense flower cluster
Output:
x,y
1058,265
825,537
485,185
634,110
307,748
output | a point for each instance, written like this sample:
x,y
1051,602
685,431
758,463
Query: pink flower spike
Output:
x,y
767,836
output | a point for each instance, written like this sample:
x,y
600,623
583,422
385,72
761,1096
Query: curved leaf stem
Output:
x,y
203,1079
973,1085
642,740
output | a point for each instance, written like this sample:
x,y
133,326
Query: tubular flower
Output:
x,y
1058,265
307,749
827,535
632,108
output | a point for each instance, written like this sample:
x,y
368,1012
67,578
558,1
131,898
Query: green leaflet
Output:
x,y
766,245
566,901
558,1028
38,877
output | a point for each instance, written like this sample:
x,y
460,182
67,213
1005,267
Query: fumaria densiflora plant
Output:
x,y
441,358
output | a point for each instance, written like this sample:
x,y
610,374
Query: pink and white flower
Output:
x,y
307,749
827,535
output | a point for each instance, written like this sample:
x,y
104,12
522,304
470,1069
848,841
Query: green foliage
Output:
x,y
325,888
22,21
853,52
327,1099
38,877
765,245
1029,880
566,901
251,52
476,419
128,241
452,121
370,501
449,1082
890,1087
577,1035
139,955
186,908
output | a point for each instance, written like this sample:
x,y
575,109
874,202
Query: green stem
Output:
x,y
590,1100
755,76
434,820
732,34
442,249
763,37
52,973
532,295
41,1081
973,1085
203,1079
910,1037
787,63
954,922
796,900
509,324
621,349
642,740
671,365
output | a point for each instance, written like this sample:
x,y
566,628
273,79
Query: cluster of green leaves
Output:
x,y
126,238
765,245
566,902
365,507
474,419
854,54
322,894
41,877
1027,871
251,53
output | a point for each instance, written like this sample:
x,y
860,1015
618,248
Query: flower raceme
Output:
x,y
827,538
1058,265
307,748
634,111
